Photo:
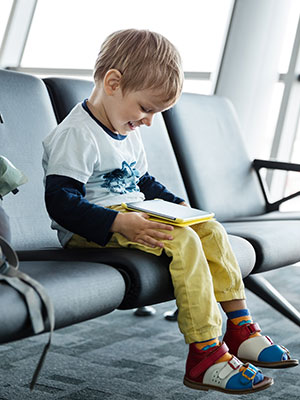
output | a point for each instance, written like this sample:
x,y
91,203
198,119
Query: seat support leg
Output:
x,y
263,289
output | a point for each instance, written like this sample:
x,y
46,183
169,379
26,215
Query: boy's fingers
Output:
x,y
145,243
160,235
157,225
150,242
144,215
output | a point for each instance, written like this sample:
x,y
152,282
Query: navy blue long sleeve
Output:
x,y
67,206
153,189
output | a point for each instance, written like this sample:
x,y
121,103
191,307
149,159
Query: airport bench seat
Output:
x,y
82,284
208,164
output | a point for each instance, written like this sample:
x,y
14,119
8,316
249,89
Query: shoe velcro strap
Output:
x,y
247,330
253,328
208,361
230,366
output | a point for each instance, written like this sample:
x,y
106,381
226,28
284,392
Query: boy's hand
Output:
x,y
183,203
136,227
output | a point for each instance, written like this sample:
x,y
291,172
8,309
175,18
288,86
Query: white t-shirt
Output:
x,y
109,165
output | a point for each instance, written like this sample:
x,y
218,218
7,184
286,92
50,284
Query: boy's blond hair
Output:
x,y
146,60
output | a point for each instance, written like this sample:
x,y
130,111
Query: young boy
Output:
x,y
94,160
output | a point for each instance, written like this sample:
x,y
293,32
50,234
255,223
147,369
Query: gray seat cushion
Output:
x,y
271,216
147,276
276,243
78,290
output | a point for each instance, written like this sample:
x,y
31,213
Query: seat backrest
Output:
x,y
26,118
212,156
65,93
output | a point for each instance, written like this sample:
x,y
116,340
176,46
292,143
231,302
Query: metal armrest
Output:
x,y
279,165
270,164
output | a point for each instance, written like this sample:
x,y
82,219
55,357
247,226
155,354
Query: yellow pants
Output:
x,y
204,272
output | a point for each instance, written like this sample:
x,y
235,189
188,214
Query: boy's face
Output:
x,y
129,111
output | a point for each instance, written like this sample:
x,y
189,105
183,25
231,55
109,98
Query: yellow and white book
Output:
x,y
170,213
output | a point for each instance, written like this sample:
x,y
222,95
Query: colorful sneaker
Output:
x,y
258,350
234,377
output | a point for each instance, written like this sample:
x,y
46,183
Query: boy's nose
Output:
x,y
148,120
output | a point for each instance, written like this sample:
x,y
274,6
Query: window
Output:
x,y
288,133
271,117
5,8
292,179
72,30
289,37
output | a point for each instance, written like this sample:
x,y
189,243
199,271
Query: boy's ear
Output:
x,y
111,81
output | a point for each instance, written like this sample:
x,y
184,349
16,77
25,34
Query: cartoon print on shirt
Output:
x,y
122,180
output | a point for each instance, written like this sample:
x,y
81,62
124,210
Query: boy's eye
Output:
x,y
145,110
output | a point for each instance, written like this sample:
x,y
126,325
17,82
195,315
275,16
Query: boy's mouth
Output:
x,y
133,125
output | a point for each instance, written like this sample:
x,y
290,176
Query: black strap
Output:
x,y
33,292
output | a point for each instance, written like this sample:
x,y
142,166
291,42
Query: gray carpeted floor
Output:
x,y
121,356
